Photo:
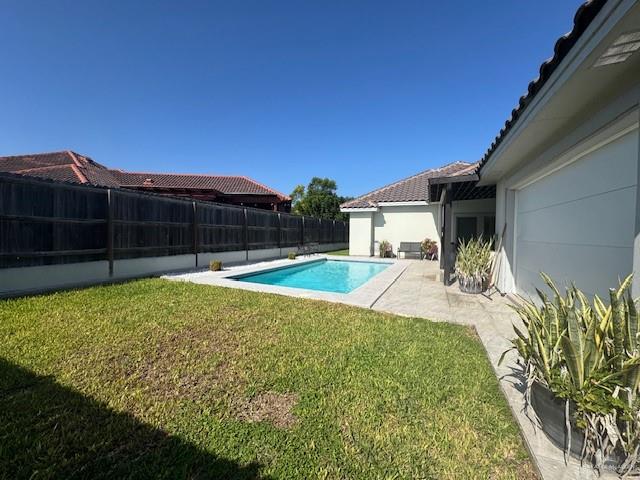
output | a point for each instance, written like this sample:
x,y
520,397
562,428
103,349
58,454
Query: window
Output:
x,y
466,228
489,227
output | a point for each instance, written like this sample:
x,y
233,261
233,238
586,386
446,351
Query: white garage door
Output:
x,y
577,224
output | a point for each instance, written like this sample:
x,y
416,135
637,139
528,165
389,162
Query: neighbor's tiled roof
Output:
x,y
581,21
68,166
65,166
412,189
221,183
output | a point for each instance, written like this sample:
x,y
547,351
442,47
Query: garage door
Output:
x,y
577,224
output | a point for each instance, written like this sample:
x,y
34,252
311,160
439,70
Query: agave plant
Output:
x,y
587,353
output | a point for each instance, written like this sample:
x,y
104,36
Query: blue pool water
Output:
x,y
340,276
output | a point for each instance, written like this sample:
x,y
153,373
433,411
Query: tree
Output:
x,y
319,199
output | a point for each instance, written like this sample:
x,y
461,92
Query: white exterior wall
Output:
x,y
29,280
574,214
577,224
505,201
360,233
406,224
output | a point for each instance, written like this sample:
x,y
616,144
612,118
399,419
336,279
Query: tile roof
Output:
x,y
226,184
411,189
65,166
68,166
581,21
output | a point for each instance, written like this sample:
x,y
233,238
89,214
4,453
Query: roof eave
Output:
x,y
356,209
538,93
455,179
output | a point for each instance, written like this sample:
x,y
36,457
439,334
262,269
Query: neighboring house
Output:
x,y
414,208
68,166
565,166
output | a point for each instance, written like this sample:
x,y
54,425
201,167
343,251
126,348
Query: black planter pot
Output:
x,y
551,413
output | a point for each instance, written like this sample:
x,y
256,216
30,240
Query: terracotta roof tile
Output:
x,y
69,166
222,183
411,189
64,166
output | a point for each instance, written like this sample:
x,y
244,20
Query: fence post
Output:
x,y
279,231
302,232
195,231
110,230
333,232
246,234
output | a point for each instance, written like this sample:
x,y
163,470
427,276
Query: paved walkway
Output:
x,y
419,292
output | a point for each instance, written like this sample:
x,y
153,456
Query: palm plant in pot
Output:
x,y
581,361
473,265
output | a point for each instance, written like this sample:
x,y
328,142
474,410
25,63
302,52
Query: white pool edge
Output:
x,y
363,296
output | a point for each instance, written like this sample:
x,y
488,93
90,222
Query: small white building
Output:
x,y
413,209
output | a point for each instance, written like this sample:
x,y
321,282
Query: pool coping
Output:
x,y
363,296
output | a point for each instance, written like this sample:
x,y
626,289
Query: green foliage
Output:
x,y
427,244
339,252
215,265
385,249
473,260
319,199
291,255
587,353
145,380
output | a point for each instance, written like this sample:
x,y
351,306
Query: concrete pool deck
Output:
x,y
363,296
414,288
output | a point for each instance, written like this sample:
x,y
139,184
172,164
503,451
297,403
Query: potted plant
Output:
x,y
430,248
581,364
473,265
215,265
386,250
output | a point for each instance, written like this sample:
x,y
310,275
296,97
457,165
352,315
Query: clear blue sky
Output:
x,y
364,92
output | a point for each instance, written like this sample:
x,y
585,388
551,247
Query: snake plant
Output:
x,y
473,260
587,352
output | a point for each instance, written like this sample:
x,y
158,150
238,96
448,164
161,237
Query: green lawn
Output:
x,y
160,379
339,252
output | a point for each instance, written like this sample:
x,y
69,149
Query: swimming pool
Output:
x,y
340,276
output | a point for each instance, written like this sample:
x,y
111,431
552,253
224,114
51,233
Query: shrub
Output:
x,y
215,265
386,250
587,353
291,255
427,244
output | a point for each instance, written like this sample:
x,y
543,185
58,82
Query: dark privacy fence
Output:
x,y
44,223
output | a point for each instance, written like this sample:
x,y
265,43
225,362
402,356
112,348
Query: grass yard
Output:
x,y
339,252
161,379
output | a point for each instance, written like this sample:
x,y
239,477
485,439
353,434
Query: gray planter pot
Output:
x,y
550,411
471,285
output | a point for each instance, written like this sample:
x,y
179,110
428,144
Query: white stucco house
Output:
x,y
412,209
564,169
